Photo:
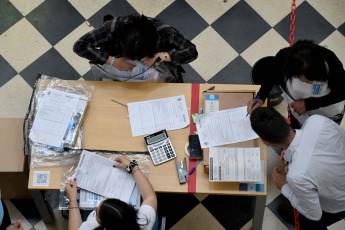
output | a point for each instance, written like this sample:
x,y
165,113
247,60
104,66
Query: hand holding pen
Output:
x,y
253,104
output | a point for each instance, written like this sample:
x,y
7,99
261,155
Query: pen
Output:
x,y
193,169
256,100
119,103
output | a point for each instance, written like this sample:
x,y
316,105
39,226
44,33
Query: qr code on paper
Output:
x,y
41,178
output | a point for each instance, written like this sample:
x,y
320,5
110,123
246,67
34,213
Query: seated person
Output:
x,y
136,37
5,221
114,213
315,176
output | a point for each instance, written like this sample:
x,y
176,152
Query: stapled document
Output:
x,y
97,174
235,164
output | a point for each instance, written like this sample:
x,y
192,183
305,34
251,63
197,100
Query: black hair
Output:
x,y
306,58
138,37
270,125
116,214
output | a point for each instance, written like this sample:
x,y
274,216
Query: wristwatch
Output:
x,y
131,166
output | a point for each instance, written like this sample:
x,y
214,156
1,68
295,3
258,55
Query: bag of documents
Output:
x,y
159,72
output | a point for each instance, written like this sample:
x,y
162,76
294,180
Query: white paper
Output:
x,y
224,127
147,75
97,174
235,164
148,117
53,117
89,199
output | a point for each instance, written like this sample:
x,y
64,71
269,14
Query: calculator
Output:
x,y
160,147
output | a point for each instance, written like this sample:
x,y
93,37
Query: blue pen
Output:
x,y
256,100
193,169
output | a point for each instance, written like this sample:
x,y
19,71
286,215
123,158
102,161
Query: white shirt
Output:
x,y
146,219
316,176
302,90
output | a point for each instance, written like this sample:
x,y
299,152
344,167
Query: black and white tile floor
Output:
x,y
37,37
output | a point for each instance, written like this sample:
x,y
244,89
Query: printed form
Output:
x,y
147,117
224,127
235,164
97,174
53,116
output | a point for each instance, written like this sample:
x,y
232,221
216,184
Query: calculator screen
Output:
x,y
156,138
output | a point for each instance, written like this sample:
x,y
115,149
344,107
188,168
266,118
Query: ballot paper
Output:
x,y
224,127
89,199
97,174
235,164
147,117
53,117
135,74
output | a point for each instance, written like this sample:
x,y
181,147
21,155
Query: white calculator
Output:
x,y
160,147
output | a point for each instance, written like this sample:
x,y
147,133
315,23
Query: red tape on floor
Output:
x,y
194,109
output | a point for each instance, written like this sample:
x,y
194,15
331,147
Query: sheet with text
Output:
x,y
224,127
147,117
97,174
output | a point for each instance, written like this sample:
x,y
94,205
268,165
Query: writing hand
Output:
x,y
257,105
299,107
122,65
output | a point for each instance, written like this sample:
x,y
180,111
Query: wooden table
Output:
x,y
107,127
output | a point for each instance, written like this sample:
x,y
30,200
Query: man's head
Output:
x,y
270,125
305,58
138,37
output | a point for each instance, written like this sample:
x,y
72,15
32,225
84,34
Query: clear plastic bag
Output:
x,y
159,72
43,155
69,172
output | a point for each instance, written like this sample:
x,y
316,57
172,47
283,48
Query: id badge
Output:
x,y
316,88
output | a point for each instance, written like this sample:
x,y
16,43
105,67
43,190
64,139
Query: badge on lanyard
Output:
x,y
316,88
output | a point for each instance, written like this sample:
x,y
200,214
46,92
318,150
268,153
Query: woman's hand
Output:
x,y
122,65
123,162
71,190
250,107
299,107
149,61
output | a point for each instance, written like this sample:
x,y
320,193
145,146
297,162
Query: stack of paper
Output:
x,y
58,118
99,180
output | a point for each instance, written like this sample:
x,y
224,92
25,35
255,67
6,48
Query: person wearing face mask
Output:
x,y
312,79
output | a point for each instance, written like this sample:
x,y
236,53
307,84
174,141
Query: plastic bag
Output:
x,y
142,159
159,72
43,155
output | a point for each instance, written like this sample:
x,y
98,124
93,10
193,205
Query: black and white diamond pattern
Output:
x,y
38,36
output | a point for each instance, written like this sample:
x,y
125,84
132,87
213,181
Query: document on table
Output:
x,y
235,164
53,116
147,117
97,174
224,127
89,199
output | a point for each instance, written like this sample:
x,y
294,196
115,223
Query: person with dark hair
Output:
x,y
315,177
114,213
312,77
136,37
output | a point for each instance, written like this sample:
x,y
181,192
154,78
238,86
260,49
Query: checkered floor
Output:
x,y
37,37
